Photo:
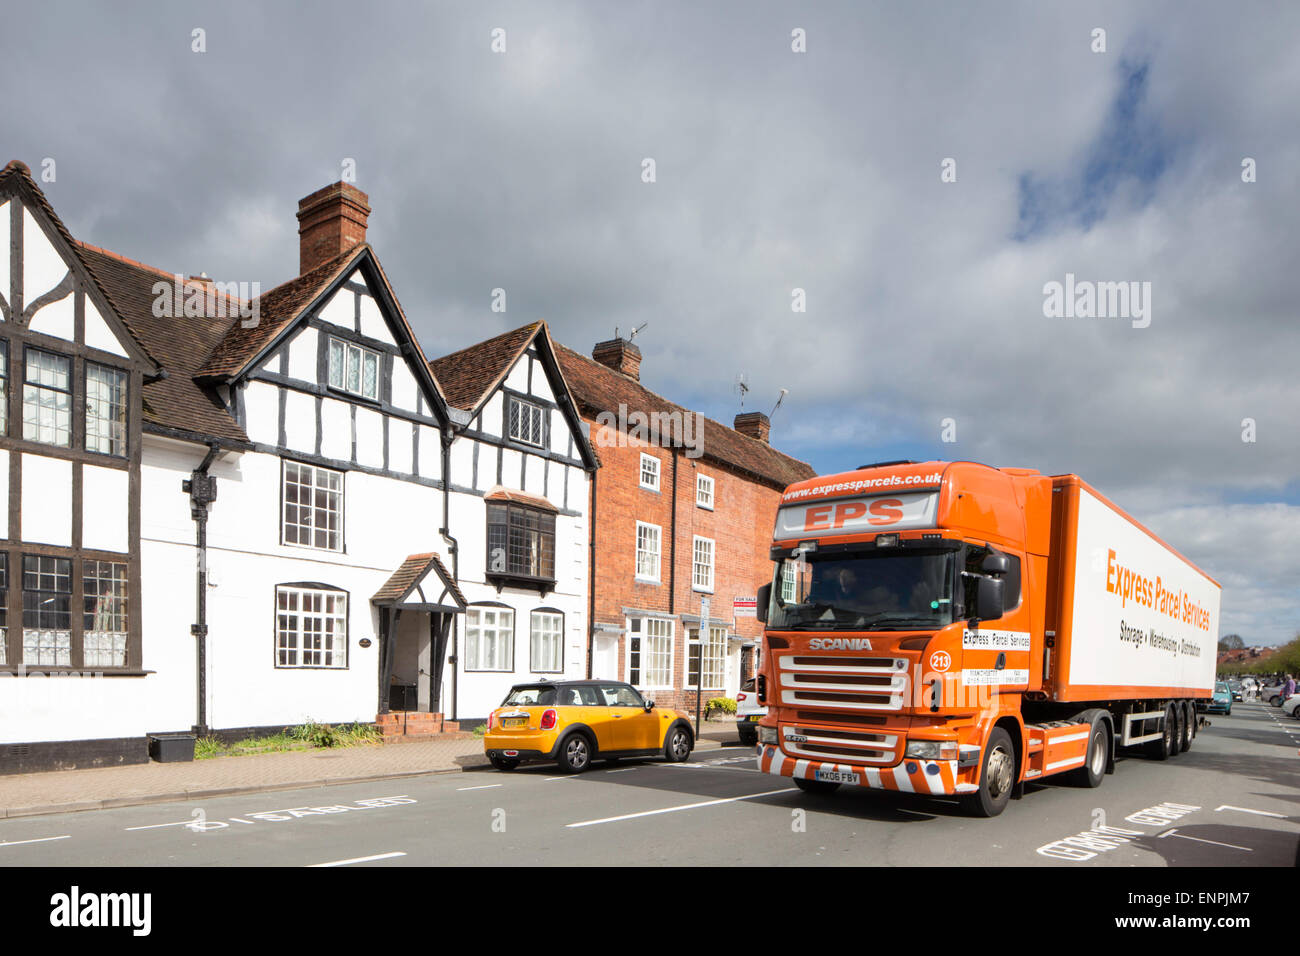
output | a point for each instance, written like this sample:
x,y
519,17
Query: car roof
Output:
x,y
567,683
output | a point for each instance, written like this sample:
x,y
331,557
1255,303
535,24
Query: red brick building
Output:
x,y
683,511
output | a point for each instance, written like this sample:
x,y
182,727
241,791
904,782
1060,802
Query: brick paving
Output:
x,y
101,788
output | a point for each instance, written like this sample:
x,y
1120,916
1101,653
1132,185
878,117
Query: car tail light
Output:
x,y
548,720
492,720
742,696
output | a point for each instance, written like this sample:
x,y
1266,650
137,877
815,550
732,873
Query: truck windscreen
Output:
x,y
888,590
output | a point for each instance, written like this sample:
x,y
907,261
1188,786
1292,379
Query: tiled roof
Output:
x,y
17,177
409,573
598,388
180,343
501,493
468,376
276,309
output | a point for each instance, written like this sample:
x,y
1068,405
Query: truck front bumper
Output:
x,y
910,775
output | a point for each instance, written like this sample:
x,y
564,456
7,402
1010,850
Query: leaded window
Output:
x,y
47,611
105,409
521,541
47,398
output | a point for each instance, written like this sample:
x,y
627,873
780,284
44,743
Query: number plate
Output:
x,y
838,776
514,721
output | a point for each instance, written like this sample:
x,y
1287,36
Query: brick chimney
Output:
x,y
754,424
620,355
330,222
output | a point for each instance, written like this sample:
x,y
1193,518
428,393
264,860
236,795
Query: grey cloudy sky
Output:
x,y
775,170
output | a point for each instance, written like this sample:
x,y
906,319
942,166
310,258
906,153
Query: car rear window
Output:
x,y
529,696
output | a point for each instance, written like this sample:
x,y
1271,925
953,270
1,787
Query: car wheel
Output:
x,y
820,787
575,754
1275,701
504,763
1163,748
1228,712
679,745
997,777
1094,764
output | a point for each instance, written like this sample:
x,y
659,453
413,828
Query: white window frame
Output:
x,y
536,417
333,639
362,354
661,653
502,629
702,575
656,554
704,492
338,494
538,652
718,638
650,468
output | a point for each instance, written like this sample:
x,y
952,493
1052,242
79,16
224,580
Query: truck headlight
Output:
x,y
767,735
933,749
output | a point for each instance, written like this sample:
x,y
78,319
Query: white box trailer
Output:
x,y
1134,618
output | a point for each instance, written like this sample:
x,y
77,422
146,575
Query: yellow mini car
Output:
x,y
575,722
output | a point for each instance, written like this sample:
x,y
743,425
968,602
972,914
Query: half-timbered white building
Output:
x,y
263,511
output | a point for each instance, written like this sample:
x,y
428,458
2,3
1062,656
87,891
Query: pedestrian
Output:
x,y
1288,688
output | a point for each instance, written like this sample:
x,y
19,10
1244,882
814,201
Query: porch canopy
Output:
x,y
420,585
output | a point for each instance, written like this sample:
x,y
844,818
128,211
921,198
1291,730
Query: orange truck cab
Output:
x,y
951,628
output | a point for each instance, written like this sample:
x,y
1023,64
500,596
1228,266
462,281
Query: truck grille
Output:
x,y
853,746
841,682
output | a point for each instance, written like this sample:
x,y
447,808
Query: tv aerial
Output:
x,y
741,388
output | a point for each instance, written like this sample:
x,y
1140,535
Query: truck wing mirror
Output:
x,y
995,562
989,599
764,595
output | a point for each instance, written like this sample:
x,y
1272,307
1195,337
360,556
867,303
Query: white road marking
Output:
x,y
1174,832
557,778
686,806
358,859
155,826
1262,813
66,836
621,770
486,786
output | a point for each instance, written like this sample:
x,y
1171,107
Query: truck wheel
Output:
x,y
1180,726
1163,748
1189,724
820,787
1094,764
997,777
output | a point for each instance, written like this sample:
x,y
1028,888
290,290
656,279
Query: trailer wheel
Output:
x,y
1189,725
1180,728
1094,764
997,777
1163,748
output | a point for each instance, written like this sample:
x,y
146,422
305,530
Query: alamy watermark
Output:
x,y
678,429
206,298
1085,299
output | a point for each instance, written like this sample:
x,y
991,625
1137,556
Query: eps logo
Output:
x,y
940,661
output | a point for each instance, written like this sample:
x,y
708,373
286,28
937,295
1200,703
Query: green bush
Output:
x,y
720,705
316,735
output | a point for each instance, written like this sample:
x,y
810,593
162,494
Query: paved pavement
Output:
x,y
139,784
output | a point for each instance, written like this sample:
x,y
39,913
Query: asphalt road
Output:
x,y
1231,801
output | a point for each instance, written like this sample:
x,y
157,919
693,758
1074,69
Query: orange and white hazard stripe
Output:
x,y
908,776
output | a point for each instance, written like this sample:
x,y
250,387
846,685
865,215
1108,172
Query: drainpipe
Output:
x,y
202,489
453,548
672,544
591,577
